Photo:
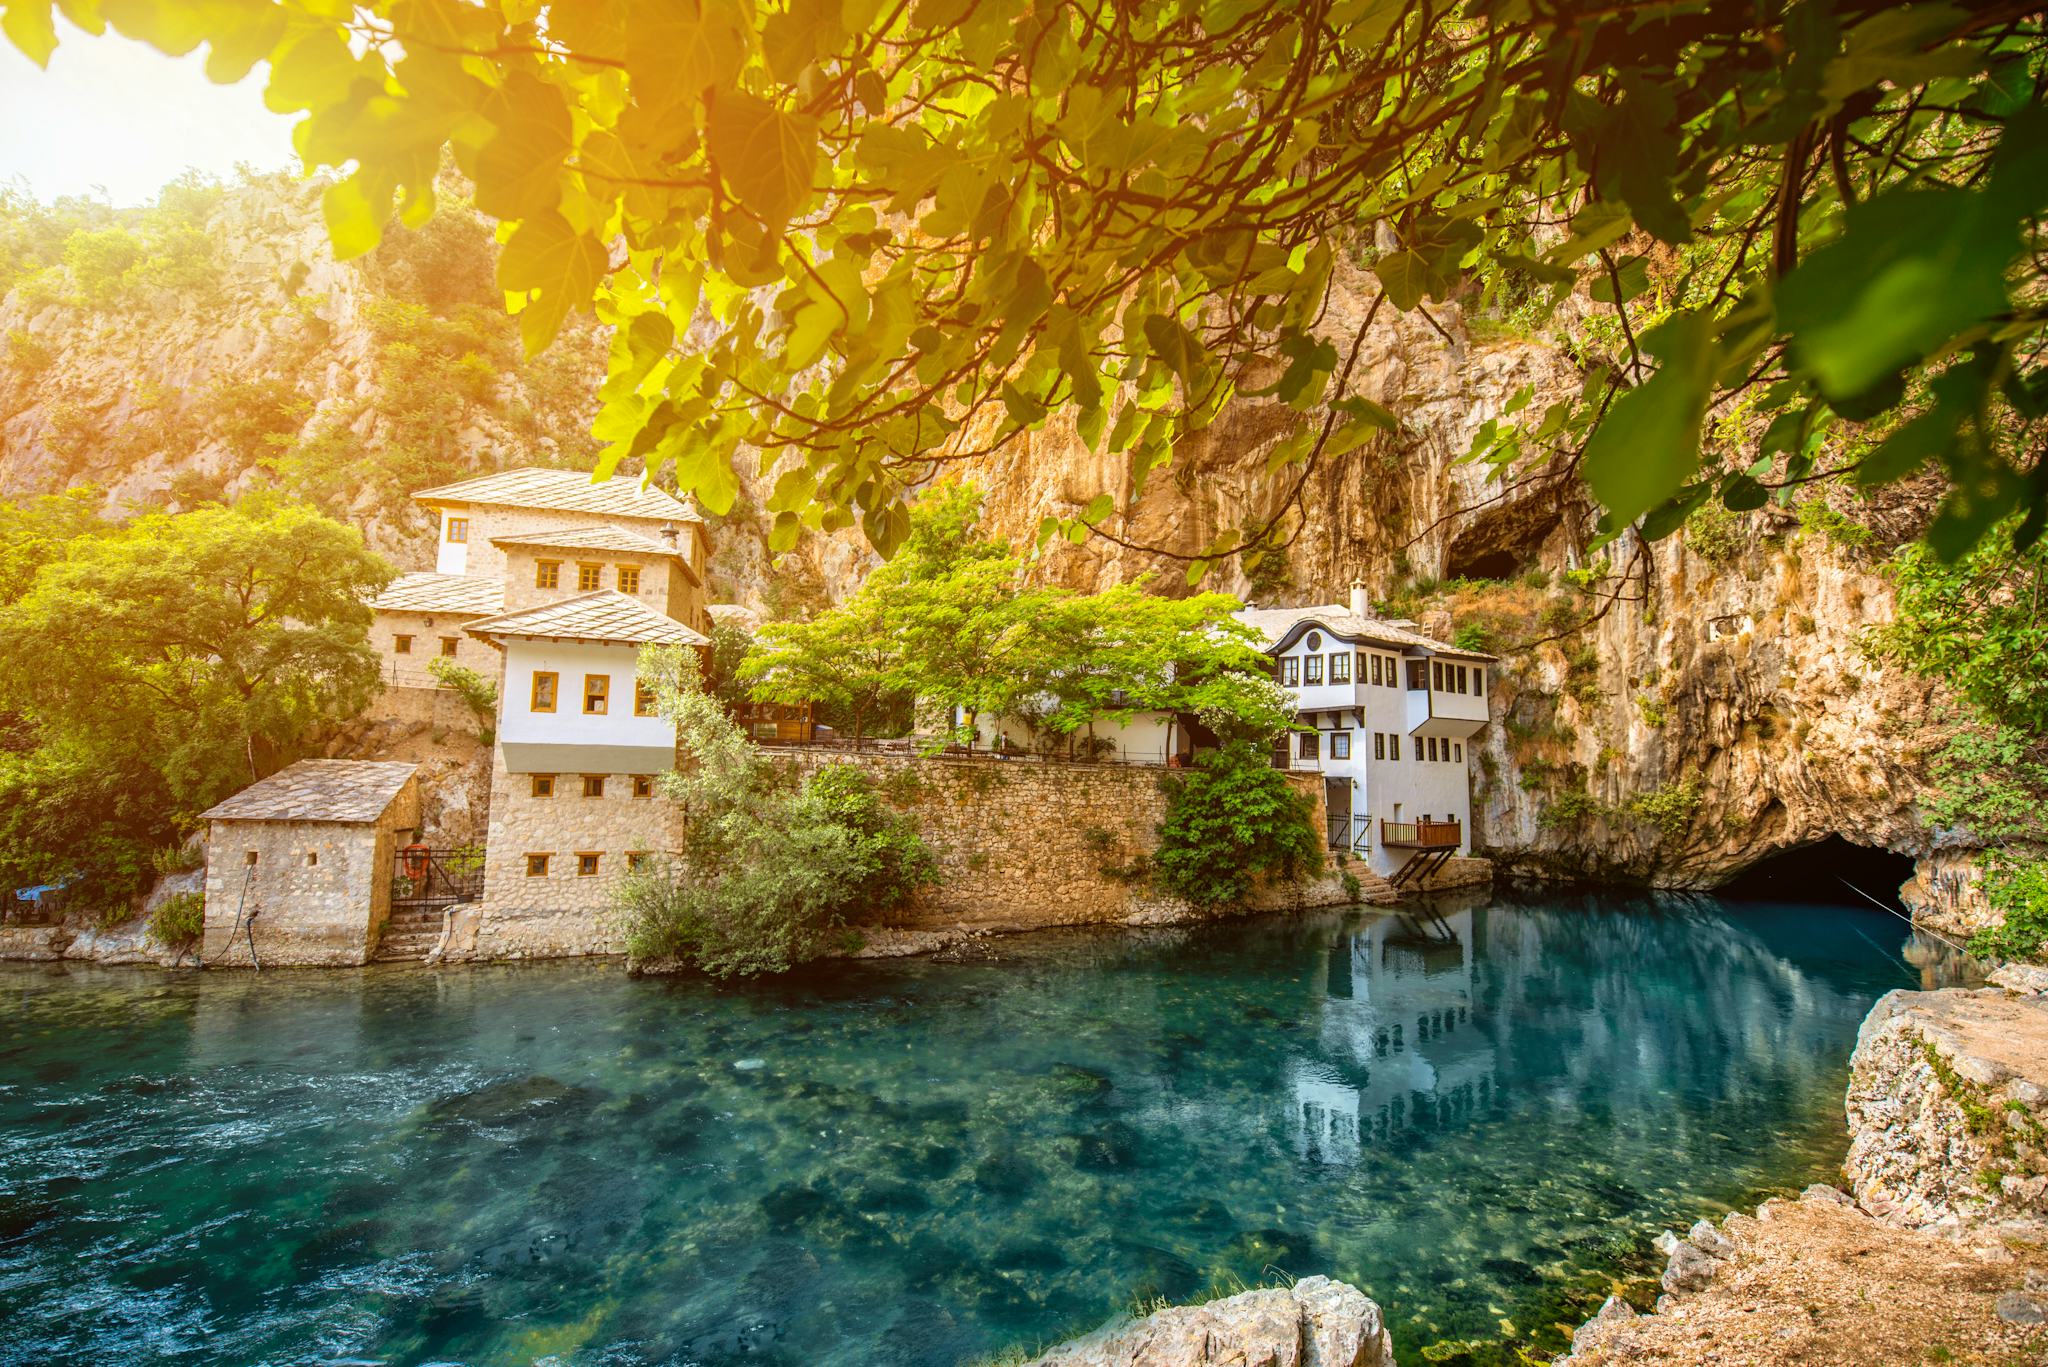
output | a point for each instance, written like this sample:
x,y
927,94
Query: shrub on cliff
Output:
x,y
2017,889
772,867
1228,820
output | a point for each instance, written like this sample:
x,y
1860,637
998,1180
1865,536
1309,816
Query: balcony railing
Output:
x,y
1422,835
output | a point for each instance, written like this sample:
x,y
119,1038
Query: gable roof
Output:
x,y
592,539
537,486
456,594
1278,626
606,615
347,791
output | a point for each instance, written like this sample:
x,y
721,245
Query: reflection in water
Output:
x,y
1475,1113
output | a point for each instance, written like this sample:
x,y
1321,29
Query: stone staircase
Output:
x,y
1372,888
409,934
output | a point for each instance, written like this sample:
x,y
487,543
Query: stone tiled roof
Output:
x,y
566,491
1274,624
457,594
592,539
606,615
349,791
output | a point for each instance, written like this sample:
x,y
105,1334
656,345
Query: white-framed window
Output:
x,y
1340,667
1312,670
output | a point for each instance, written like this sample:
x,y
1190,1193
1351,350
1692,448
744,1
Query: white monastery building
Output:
x,y
1387,716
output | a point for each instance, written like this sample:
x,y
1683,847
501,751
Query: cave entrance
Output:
x,y
1827,871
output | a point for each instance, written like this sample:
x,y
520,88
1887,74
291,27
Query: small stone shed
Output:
x,y
303,861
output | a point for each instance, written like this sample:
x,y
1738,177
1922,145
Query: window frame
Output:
x,y
449,645
637,860
540,785
547,574
1340,667
1432,750
593,785
401,643
1375,670
589,576
537,865
644,700
1393,671
1310,746
626,578
588,863
643,786
1312,671
1418,748
456,530
1340,745
1290,671
1379,745
603,695
533,702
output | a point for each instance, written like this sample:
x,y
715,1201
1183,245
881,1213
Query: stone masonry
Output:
x,y
1044,843
564,910
303,862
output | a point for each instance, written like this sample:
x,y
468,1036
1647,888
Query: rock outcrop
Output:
x,y
1314,1323
1819,1282
1947,1103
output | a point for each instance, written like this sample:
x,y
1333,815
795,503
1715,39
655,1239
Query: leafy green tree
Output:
x,y
151,669
844,660
1229,821
1980,624
772,868
863,240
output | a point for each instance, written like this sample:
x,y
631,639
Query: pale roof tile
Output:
x,y
565,490
606,615
617,539
1273,625
347,791
456,594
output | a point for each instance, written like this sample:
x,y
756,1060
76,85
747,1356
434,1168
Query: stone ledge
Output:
x,y
1947,1101
1314,1323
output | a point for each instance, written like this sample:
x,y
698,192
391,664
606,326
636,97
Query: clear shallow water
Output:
x,y
1477,1120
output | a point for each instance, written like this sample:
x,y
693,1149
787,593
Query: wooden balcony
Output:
x,y
1421,835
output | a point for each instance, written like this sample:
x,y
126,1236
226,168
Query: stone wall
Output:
x,y
318,892
1044,843
562,912
427,630
435,706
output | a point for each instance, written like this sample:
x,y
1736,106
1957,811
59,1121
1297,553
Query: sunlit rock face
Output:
x,y
1731,664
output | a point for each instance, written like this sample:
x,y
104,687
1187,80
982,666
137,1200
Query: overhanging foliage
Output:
x,y
860,238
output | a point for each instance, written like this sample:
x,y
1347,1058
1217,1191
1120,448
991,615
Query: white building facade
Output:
x,y
1388,717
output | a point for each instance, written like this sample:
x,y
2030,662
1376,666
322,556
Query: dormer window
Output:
x,y
458,531
547,574
629,579
589,578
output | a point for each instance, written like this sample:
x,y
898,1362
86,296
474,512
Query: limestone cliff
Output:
x,y
1718,710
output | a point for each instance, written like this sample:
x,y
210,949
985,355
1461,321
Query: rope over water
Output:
x,y
1901,915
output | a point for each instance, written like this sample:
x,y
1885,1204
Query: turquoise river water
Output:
x,y
1480,1118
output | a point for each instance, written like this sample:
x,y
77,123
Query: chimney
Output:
x,y
669,532
1360,605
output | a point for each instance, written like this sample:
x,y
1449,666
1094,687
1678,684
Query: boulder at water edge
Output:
x,y
1314,1323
